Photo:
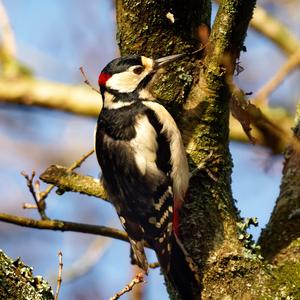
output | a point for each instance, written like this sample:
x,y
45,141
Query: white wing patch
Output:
x,y
145,145
180,169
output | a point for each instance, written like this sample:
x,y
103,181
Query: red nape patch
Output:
x,y
103,77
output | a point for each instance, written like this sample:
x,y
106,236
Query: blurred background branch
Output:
x,y
270,27
86,261
74,99
262,96
8,43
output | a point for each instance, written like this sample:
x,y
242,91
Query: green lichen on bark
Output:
x,y
66,181
284,225
210,206
285,279
18,283
234,277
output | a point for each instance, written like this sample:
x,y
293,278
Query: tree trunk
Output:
x,y
197,94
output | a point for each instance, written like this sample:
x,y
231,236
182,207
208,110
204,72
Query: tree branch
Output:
x,y
267,131
274,30
139,278
64,226
283,229
263,94
18,282
75,99
71,181
8,38
75,165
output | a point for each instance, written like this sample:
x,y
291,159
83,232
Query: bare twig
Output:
x,y
263,94
139,278
8,37
64,226
138,292
29,181
86,81
77,164
38,196
40,204
154,265
87,260
59,277
29,206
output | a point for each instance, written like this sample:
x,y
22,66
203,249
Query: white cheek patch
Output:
x,y
125,82
180,169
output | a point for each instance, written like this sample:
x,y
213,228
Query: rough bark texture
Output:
x,y
280,240
17,281
284,225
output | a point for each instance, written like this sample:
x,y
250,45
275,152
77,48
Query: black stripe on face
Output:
x,y
122,64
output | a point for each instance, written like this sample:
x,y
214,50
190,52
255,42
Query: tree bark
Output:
x,y
18,283
197,94
280,239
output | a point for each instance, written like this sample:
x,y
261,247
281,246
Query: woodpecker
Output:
x,y
144,165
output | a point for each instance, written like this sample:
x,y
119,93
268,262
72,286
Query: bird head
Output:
x,y
131,74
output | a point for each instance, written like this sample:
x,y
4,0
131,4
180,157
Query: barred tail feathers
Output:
x,y
179,268
138,254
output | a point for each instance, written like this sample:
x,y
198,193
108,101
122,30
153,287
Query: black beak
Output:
x,y
164,61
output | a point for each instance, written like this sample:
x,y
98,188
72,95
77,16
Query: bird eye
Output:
x,y
138,70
